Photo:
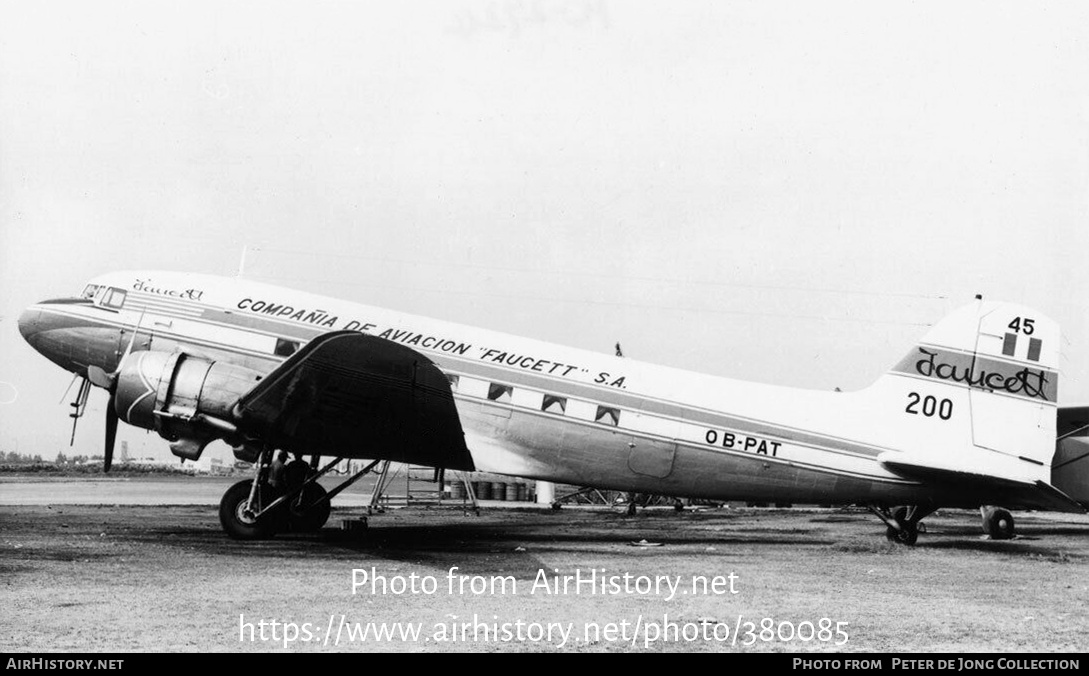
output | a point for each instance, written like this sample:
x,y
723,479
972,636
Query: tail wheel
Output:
x,y
998,523
906,535
237,520
903,522
314,509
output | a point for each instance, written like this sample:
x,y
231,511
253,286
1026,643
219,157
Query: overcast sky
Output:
x,y
783,192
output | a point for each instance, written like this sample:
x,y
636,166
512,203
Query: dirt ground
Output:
x,y
157,578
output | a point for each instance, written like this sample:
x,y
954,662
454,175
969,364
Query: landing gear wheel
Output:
x,y
311,520
908,521
295,473
236,520
907,535
998,523
630,511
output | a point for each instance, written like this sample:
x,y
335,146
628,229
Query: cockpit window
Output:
x,y
105,296
114,299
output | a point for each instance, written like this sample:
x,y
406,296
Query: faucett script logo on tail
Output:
x,y
981,373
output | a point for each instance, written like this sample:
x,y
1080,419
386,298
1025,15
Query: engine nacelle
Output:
x,y
186,399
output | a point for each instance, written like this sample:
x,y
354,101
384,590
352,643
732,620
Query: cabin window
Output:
x,y
607,416
471,387
90,291
527,398
580,410
554,404
500,393
453,381
286,348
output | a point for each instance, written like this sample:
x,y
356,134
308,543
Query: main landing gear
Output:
x,y
997,522
903,522
255,509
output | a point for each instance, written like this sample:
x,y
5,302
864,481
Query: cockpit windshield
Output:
x,y
105,296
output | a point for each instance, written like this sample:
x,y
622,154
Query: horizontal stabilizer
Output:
x,y
1073,422
1006,489
1060,502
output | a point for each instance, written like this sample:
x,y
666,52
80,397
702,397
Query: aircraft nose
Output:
x,y
29,323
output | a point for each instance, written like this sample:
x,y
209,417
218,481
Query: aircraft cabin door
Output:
x,y
651,452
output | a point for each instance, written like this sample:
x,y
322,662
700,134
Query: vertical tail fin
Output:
x,y
997,364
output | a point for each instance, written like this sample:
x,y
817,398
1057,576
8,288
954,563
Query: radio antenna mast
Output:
x,y
242,261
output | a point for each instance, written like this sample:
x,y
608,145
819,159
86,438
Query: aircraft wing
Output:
x,y
1073,421
354,395
1007,491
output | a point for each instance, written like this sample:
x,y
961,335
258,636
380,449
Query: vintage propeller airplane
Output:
x,y
968,418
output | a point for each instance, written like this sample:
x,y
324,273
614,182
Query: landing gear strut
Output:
x,y
903,522
308,512
240,511
997,522
252,510
309,509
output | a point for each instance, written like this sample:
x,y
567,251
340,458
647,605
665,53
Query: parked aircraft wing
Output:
x,y
1073,421
347,393
1008,491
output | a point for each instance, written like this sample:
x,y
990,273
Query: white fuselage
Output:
x,y
540,410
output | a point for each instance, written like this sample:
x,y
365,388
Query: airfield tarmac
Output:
x,y
142,565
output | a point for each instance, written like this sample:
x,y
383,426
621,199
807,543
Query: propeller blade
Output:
x,y
111,434
132,341
108,381
99,377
